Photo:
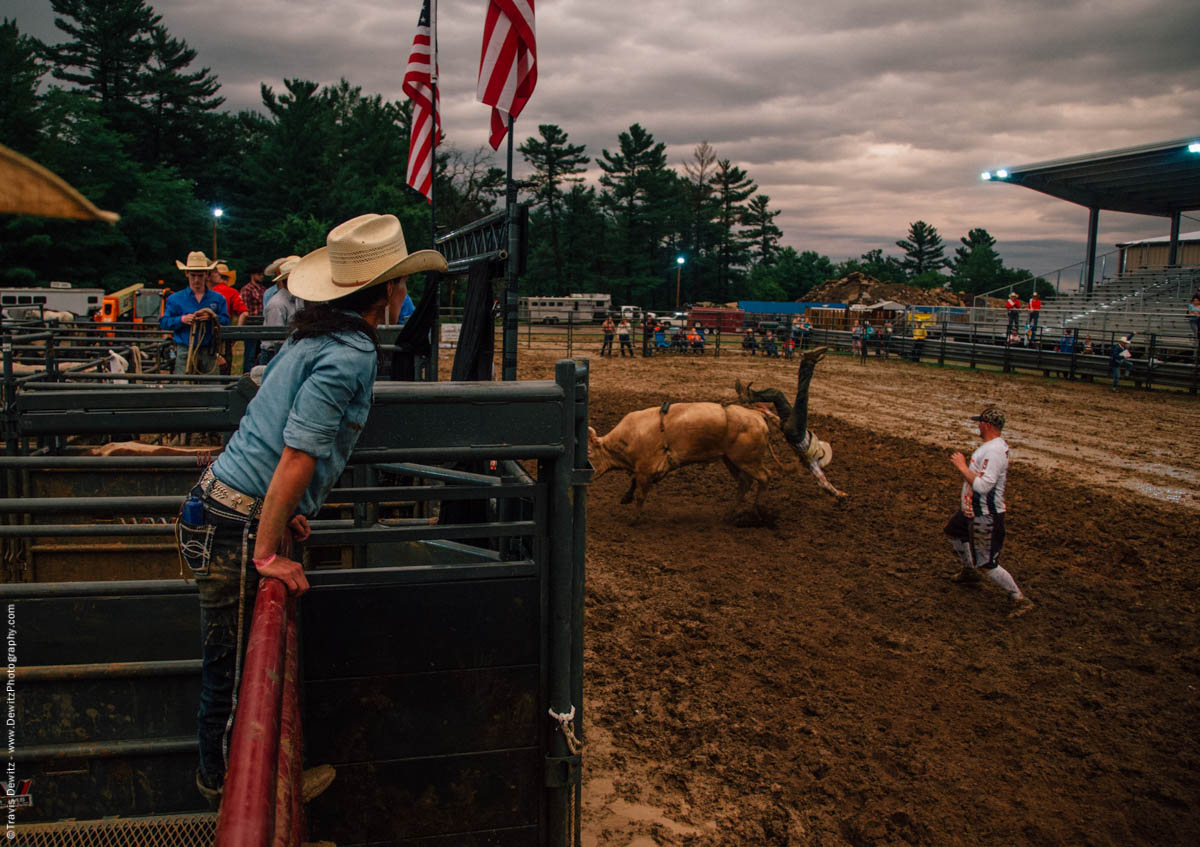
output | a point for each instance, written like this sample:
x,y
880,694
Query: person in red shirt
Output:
x,y
1013,305
238,313
1035,309
218,282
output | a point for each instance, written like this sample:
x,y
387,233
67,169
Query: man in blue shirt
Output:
x,y
289,450
189,314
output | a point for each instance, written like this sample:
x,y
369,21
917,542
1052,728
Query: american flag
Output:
x,y
426,120
508,64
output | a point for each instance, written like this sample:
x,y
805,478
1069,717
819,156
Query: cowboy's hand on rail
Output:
x,y
300,528
287,571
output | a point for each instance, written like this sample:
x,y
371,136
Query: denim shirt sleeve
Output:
x,y
322,402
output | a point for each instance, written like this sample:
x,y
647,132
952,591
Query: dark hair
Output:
x,y
341,315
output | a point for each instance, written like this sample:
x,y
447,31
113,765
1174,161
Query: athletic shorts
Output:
x,y
984,533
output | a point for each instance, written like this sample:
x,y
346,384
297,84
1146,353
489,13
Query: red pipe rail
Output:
x,y
261,802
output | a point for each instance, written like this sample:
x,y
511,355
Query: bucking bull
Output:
x,y
650,443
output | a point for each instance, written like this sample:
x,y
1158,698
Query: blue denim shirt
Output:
x,y
315,397
184,303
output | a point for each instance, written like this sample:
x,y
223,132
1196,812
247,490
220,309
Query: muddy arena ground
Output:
x,y
822,682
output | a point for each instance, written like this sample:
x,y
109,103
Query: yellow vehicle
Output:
x,y
134,303
117,305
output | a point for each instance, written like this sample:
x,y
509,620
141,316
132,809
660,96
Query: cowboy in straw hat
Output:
x,y
291,446
280,309
1119,359
793,418
272,270
187,314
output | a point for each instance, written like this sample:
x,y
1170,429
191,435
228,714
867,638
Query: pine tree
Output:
x,y
700,232
923,251
639,198
761,230
175,101
555,163
22,72
110,43
731,188
976,266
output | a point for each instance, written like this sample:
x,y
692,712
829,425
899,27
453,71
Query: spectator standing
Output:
x,y
771,347
856,334
1013,306
238,312
1120,359
1194,317
218,281
886,342
624,330
805,334
1035,310
252,295
868,338
279,311
789,346
609,329
749,342
977,530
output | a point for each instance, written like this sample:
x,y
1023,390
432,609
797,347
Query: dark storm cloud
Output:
x,y
856,118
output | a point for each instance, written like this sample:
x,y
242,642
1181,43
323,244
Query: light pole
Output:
x,y
217,212
678,273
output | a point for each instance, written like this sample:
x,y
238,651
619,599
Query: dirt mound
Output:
x,y
860,288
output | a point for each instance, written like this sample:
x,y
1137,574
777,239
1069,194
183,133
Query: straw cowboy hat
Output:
x,y
196,261
285,269
27,188
359,253
273,268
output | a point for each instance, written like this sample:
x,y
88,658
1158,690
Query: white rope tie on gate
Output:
x,y
564,726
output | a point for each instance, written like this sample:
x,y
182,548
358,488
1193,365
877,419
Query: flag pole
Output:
x,y
509,357
433,85
435,330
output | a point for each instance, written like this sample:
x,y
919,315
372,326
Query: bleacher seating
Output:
x,y
1144,300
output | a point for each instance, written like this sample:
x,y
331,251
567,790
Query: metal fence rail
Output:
x,y
504,593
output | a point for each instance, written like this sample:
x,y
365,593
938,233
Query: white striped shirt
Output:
x,y
985,496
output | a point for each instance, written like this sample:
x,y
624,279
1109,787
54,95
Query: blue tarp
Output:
x,y
772,307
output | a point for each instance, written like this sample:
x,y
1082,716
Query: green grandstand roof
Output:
x,y
1153,179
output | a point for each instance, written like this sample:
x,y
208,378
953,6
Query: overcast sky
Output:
x,y
855,118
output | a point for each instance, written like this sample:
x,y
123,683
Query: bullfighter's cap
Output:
x,y
990,415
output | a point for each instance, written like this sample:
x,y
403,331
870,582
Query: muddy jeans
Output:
x,y
227,574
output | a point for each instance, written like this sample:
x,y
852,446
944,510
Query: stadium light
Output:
x,y
986,175
1002,174
678,274
217,213
1194,147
